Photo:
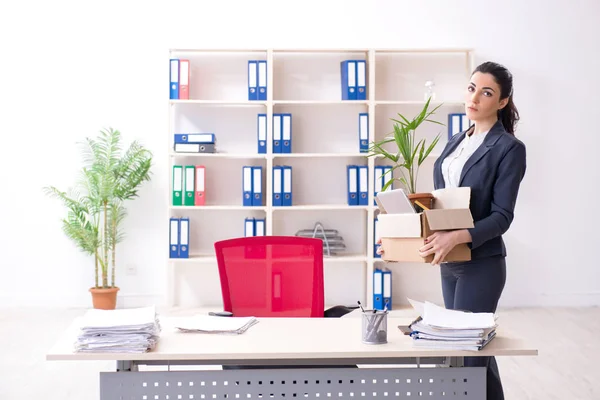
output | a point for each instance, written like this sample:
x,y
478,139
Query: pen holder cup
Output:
x,y
374,327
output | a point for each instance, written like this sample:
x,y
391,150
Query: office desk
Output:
x,y
301,343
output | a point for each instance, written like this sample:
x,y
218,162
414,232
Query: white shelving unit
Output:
x,y
307,84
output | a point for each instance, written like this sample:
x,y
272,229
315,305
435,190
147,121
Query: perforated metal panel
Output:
x,y
342,383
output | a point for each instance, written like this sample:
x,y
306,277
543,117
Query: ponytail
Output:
x,y
509,116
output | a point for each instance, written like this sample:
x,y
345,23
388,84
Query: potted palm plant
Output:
x,y
95,207
408,153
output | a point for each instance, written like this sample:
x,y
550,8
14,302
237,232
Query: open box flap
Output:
x,y
447,219
459,197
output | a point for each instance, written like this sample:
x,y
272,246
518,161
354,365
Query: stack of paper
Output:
x,y
215,324
133,330
439,327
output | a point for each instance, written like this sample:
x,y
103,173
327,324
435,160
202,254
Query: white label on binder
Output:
x,y
352,179
257,180
456,128
277,180
252,74
262,127
287,180
200,137
361,68
262,74
387,175
287,127
187,147
185,65
247,179
177,180
260,227
184,232
277,127
189,179
174,231
351,74
249,228
378,179
200,179
377,282
174,71
387,285
375,231
364,127
363,179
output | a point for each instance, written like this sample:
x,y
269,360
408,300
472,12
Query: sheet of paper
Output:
x,y
435,315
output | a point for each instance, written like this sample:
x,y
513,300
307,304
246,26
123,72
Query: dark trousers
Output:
x,y
476,286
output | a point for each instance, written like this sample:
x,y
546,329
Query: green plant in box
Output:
x,y
95,207
408,153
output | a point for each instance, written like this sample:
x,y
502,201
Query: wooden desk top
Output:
x,y
280,339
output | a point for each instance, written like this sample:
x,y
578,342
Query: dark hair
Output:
x,y
509,115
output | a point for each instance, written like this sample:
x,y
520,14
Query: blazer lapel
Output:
x,y
490,140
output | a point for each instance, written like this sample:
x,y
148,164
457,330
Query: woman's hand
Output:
x,y
440,244
379,249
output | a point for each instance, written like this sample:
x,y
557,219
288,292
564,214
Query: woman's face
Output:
x,y
482,98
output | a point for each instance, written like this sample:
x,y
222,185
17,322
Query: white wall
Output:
x,y
66,71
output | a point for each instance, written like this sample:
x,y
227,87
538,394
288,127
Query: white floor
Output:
x,y
566,368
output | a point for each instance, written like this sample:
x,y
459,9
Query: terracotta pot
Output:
x,y
104,298
424,198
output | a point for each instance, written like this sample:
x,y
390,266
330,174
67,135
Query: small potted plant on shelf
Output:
x,y
408,153
95,207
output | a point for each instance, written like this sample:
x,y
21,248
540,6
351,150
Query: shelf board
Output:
x,y
417,103
236,103
218,208
219,155
320,155
208,259
320,207
318,102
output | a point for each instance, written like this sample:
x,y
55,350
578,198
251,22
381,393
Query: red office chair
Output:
x,y
272,276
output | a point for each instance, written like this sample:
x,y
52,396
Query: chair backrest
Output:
x,y
272,276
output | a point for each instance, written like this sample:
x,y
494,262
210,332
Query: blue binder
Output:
x,y
247,186
262,80
249,229
387,289
252,80
277,132
348,76
377,289
363,132
257,195
455,124
286,133
287,186
375,245
261,133
378,181
204,138
363,185
361,79
277,186
174,237
184,237
352,184
174,79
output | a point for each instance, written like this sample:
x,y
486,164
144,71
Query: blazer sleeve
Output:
x,y
504,196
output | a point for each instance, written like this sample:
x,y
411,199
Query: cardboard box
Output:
x,y
402,235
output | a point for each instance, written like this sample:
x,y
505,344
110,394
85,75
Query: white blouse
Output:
x,y
453,164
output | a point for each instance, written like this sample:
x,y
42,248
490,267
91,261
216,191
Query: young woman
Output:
x,y
489,159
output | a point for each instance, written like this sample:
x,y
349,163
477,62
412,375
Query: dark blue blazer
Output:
x,y
494,173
